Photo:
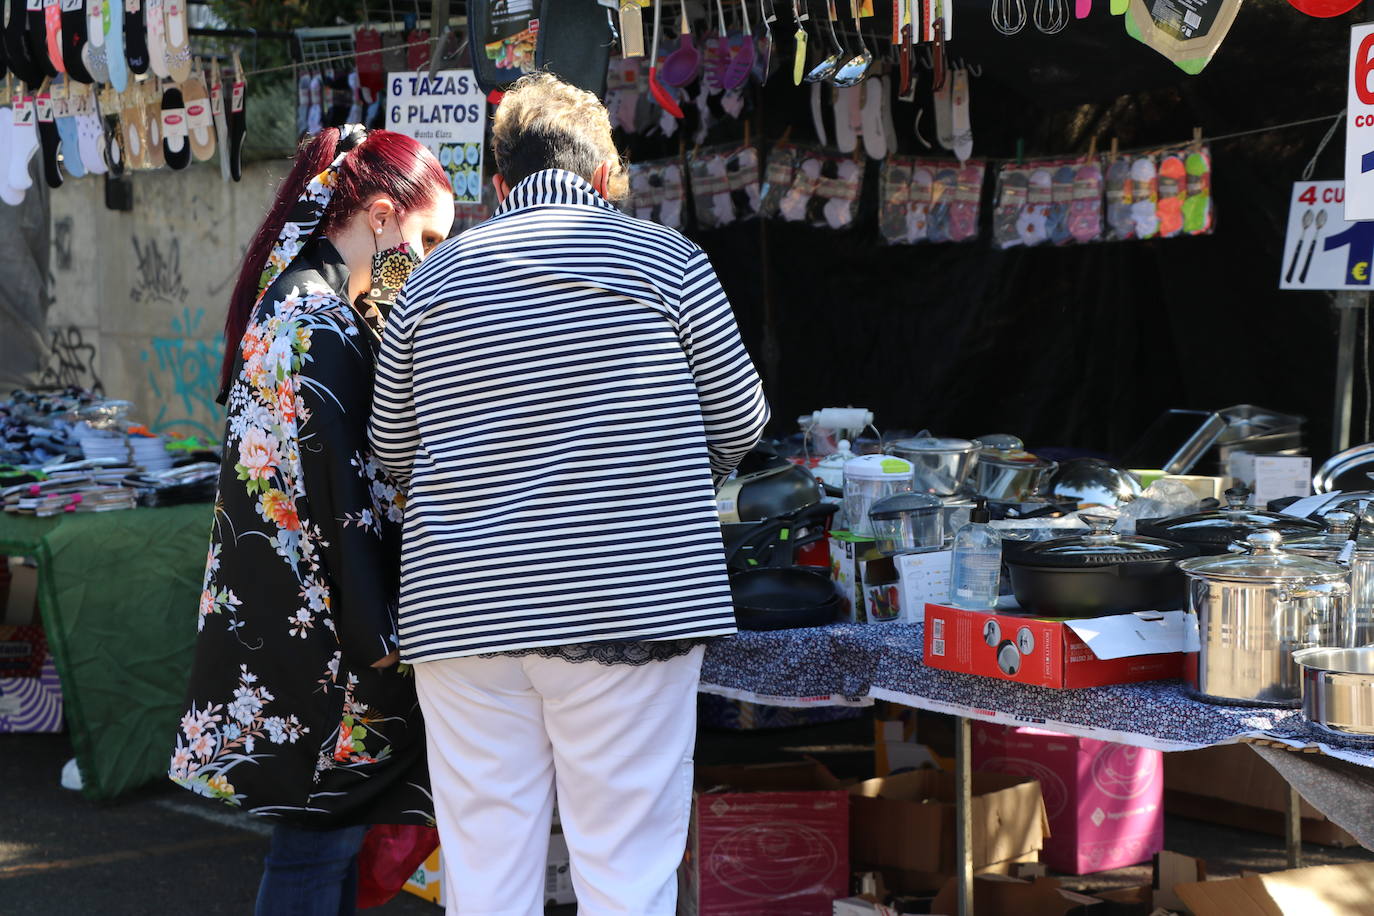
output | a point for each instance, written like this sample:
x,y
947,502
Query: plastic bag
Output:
x,y
390,855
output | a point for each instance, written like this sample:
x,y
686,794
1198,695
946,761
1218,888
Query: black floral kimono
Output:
x,y
285,717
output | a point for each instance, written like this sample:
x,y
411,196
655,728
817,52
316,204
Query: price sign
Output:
x,y
1322,250
446,112
1359,125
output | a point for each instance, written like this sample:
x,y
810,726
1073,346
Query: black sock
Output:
x,y
238,127
135,39
38,39
114,142
49,140
17,47
74,39
175,129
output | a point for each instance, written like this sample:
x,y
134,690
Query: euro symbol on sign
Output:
x,y
1360,271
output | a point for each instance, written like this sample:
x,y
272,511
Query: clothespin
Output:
x,y
1020,150
786,135
1092,147
1113,152
1197,139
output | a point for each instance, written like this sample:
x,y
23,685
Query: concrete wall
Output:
x,y
137,299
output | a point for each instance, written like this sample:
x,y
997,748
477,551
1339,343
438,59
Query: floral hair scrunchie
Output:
x,y
308,210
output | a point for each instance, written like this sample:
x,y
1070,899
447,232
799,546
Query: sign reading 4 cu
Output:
x,y
1322,250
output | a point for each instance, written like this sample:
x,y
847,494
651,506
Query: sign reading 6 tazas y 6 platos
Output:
x,y
1321,250
448,114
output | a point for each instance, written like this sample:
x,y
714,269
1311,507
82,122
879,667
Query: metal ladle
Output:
x,y
856,68
826,68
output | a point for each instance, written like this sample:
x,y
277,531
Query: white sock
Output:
x,y
817,118
846,138
874,130
8,193
22,144
314,117
91,134
944,114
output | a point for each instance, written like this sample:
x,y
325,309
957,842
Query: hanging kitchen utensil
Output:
x,y
763,41
1189,47
661,95
1051,16
1081,8
682,66
631,29
741,55
853,71
826,68
800,15
1009,16
906,85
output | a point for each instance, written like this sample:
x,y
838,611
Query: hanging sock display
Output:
x,y
199,120
176,137
93,53
115,158
52,30
152,124
178,40
8,193
960,115
115,62
73,17
1173,188
1197,204
220,117
238,121
135,36
135,134
90,131
1085,213
18,50
23,142
70,145
155,22
48,137
1144,196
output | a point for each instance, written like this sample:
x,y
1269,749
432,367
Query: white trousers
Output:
x,y
615,741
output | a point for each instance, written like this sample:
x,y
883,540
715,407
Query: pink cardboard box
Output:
x,y
1105,801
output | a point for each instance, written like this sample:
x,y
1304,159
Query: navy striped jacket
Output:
x,y
559,388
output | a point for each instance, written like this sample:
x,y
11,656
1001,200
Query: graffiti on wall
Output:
x,y
157,273
71,361
183,371
62,243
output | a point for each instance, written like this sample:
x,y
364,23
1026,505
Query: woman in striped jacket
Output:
x,y
561,388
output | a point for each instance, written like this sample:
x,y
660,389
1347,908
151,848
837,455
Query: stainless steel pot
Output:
x,y
1356,627
1338,690
940,465
1092,482
1252,611
1011,475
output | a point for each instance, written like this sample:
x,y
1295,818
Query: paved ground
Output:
x,y
157,852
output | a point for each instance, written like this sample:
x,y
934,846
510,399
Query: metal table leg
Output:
x,y
963,817
1292,824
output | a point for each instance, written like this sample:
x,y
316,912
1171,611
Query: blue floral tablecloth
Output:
x,y
855,664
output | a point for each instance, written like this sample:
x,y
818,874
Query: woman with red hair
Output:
x,y
296,709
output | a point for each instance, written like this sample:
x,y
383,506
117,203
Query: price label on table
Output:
x,y
924,580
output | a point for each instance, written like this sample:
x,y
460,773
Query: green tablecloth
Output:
x,y
118,593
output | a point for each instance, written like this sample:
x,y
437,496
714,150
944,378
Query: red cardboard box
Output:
x,y
30,695
1093,652
1105,801
766,841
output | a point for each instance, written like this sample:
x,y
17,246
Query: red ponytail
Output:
x,y
386,164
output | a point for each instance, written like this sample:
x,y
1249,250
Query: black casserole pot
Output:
x,y
1097,573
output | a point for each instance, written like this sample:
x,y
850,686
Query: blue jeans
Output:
x,y
311,872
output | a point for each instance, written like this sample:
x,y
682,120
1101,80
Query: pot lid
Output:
x,y
1264,558
900,504
1101,546
1223,527
925,442
878,467
1016,458
1339,524
1001,442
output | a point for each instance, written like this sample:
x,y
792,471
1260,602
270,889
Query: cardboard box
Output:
x,y
30,694
1325,890
1093,652
1252,796
903,825
996,895
850,556
428,881
766,841
924,580
1104,801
